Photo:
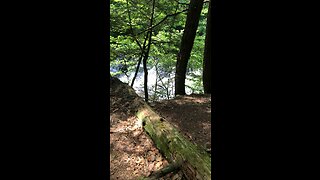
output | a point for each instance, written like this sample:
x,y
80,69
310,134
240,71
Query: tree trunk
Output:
x,y
188,36
156,84
145,69
142,48
139,61
207,85
145,58
195,162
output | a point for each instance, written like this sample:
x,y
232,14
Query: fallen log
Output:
x,y
172,144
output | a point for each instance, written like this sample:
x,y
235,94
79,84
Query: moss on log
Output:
x,y
172,144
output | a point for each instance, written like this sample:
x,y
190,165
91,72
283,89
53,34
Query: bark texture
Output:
x,y
187,41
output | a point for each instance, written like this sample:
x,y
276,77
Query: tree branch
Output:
x,y
140,59
160,42
131,29
152,27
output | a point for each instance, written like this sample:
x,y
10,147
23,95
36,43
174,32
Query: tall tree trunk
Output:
x,y
145,85
207,85
145,69
145,58
188,36
142,48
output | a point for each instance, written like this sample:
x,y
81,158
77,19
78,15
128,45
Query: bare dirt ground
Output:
x,y
132,152
191,114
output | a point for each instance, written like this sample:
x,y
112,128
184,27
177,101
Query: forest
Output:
x,y
160,89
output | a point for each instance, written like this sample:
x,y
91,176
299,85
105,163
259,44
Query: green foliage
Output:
x,y
125,51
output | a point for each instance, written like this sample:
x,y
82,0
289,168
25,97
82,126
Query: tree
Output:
x,y
130,37
207,85
150,31
187,41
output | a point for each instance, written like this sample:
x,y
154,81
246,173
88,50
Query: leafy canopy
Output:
x,y
125,31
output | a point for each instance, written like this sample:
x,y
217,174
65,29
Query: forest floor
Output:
x,y
132,152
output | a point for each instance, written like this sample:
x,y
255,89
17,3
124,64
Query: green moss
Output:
x,y
179,147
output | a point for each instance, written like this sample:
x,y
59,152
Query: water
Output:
x,y
138,83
